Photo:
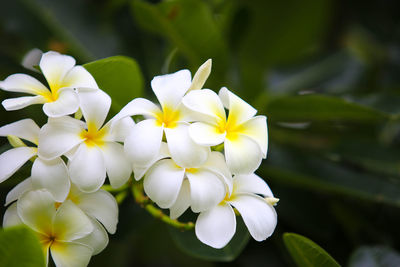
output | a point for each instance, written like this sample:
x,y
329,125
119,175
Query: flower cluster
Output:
x,y
188,151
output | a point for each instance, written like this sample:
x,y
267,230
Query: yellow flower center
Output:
x,y
229,126
92,136
168,117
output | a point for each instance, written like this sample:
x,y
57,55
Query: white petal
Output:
x,y
170,88
59,136
66,103
216,227
21,102
206,134
140,170
182,202
87,168
256,128
143,143
251,183
37,210
32,59
78,76
201,75
243,155
239,110
98,239
53,176
26,129
206,190
18,190
216,163
121,129
138,106
23,83
13,159
117,165
55,66
11,217
100,205
95,105
162,183
259,217
207,103
184,151
70,222
67,254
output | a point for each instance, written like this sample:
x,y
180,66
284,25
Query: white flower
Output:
x,y
99,205
244,136
62,77
177,188
64,229
172,119
216,226
92,148
49,174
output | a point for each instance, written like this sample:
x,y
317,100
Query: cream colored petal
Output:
x,y
206,134
66,104
26,129
13,159
95,105
22,102
11,217
97,239
256,128
182,202
201,75
117,164
239,110
24,84
206,103
55,66
18,190
78,76
71,254
251,183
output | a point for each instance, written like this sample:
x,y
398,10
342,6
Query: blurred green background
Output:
x,y
326,73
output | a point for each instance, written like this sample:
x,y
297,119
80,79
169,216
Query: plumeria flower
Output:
x,y
62,77
244,136
100,205
216,226
92,148
172,119
62,228
49,174
172,186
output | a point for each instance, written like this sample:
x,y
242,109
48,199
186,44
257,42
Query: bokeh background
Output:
x,y
326,73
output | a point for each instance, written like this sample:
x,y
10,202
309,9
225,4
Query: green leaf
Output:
x,y
305,108
20,247
188,243
118,76
376,256
188,25
306,253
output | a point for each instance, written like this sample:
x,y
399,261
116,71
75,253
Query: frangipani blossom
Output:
x,y
93,149
62,77
245,137
171,118
64,229
177,188
99,205
49,174
216,226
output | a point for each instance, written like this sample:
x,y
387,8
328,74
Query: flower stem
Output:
x,y
147,204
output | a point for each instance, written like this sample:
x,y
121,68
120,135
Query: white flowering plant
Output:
x,y
189,160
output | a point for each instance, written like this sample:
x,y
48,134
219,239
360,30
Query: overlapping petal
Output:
x,y
53,176
206,134
259,217
21,102
216,227
87,168
54,67
26,129
13,159
71,254
95,105
207,103
239,110
251,183
24,84
97,239
78,76
11,217
163,181
243,155
184,151
67,103
256,128
18,190
182,202
117,165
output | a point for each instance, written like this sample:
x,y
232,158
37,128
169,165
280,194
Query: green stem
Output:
x,y
147,204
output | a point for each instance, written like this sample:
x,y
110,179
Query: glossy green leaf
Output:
x,y
306,253
187,24
376,256
188,243
118,76
20,247
306,108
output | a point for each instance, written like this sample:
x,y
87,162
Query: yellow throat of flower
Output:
x,y
92,136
